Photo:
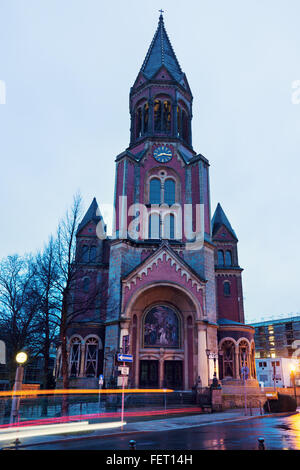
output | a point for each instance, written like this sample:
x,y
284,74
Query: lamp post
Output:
x,y
21,358
293,369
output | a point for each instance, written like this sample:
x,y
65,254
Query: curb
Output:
x,y
127,433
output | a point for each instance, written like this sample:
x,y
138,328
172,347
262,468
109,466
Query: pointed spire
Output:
x,y
220,219
93,214
161,53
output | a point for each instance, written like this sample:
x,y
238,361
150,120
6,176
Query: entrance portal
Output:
x,y
148,374
173,374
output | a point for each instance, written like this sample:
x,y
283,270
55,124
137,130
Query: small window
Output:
x,y
220,258
228,258
226,287
86,284
85,254
93,254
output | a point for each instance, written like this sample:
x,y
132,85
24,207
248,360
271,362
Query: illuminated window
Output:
x,y
162,116
157,115
167,117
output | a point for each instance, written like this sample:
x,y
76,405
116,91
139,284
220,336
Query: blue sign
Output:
x,y
125,358
245,372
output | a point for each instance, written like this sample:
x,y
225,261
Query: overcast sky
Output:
x,y
68,67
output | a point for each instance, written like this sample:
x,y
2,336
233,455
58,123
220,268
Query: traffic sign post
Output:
x,y
245,374
101,381
125,358
123,382
124,372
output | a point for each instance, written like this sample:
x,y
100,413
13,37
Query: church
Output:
x,y
168,282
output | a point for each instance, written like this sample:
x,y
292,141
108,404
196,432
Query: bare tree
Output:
x,y
19,304
47,275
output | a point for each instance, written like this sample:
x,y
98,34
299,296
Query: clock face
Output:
x,y
162,154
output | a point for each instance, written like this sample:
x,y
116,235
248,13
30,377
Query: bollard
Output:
x,y
261,443
132,445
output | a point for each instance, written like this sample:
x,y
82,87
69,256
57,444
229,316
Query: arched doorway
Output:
x,y
163,326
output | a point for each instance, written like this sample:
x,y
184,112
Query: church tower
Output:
x,y
166,305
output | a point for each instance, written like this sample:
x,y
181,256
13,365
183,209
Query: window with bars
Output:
x,y
75,354
91,357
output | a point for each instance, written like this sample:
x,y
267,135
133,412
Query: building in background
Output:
x,y
276,338
276,372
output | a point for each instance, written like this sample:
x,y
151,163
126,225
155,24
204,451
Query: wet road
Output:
x,y
279,433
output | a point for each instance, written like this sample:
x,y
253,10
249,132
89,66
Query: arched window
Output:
x,y
227,367
86,284
75,354
162,116
161,328
166,127
154,226
185,126
93,254
139,122
85,254
157,115
169,196
169,226
179,132
226,288
91,357
145,118
228,258
243,355
155,191
220,258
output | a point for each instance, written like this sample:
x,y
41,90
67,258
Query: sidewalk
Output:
x,y
162,424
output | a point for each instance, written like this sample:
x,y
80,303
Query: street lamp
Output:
x,y
293,379
21,358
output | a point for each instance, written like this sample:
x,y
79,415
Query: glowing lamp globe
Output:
x,y
21,357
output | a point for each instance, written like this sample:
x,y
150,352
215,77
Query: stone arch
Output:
x,y
188,310
227,358
198,308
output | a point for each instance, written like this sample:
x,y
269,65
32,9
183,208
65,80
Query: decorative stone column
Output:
x,y
202,356
82,359
236,363
161,368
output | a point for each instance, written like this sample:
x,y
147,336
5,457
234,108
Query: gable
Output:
x,y
223,234
163,266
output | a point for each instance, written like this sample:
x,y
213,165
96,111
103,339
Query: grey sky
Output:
x,y
68,67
